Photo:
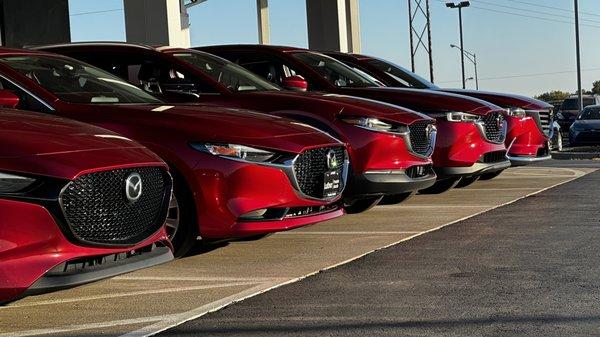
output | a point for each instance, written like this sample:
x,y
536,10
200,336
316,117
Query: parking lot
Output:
x,y
159,298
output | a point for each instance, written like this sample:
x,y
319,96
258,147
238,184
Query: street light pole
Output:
x,y
578,51
460,6
471,57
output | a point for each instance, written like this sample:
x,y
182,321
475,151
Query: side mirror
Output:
x,y
8,99
297,83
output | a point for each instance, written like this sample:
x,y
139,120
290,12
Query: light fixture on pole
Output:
x,y
460,6
471,57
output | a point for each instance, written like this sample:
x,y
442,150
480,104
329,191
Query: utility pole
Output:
x,y
460,6
471,57
578,51
420,8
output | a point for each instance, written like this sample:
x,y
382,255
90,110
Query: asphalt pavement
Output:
x,y
529,268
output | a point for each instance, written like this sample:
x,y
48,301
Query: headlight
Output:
x,y
10,183
462,117
516,112
560,116
375,124
235,151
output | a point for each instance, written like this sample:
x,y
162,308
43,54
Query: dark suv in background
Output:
x,y
569,109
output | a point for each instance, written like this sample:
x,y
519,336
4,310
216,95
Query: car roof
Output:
x,y
256,47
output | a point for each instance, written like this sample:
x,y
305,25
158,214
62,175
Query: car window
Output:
x,y
334,71
76,82
229,74
590,114
573,103
402,76
26,100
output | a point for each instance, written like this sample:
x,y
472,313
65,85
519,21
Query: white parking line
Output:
x,y
344,233
200,279
205,309
125,294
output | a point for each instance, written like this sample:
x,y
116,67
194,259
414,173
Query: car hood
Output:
x,y
44,145
24,134
212,123
502,99
348,105
426,101
588,123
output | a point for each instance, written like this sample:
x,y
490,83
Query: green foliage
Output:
x,y
553,96
596,88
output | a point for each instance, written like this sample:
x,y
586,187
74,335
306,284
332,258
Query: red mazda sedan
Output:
x,y
77,203
236,173
390,147
471,132
529,120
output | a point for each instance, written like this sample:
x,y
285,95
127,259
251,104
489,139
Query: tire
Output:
x,y
361,205
490,176
441,186
182,226
467,181
395,199
558,142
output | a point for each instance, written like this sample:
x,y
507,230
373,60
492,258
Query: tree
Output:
x,y
596,88
554,96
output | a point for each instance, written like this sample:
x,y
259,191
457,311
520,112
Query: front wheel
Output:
x,y
441,186
558,142
181,225
490,176
395,199
361,205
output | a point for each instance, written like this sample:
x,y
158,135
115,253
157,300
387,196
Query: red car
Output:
x,y
529,120
390,147
77,203
471,132
236,173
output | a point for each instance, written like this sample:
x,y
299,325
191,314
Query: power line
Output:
x,y
97,12
551,7
525,15
532,11
527,75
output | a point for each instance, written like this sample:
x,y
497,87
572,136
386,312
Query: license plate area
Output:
x,y
331,184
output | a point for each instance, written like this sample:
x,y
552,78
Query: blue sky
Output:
x,y
508,36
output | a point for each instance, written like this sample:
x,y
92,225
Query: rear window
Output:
x,y
573,104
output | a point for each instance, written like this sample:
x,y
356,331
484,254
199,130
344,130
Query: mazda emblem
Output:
x,y
332,162
133,187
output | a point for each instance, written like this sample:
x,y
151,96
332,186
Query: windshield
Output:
x,y
232,76
334,71
401,75
573,103
590,113
76,82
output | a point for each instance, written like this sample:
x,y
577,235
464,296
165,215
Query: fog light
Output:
x,y
258,214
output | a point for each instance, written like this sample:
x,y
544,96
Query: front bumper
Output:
x,y
584,137
525,141
389,182
33,245
474,170
227,192
460,150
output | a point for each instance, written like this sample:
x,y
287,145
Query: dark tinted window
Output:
x,y
334,71
590,113
573,103
403,76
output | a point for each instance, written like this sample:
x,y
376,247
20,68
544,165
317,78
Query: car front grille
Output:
x,y
543,118
420,138
493,157
494,127
98,212
310,168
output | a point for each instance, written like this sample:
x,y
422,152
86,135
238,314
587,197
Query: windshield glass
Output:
x,y
401,75
76,82
573,103
232,76
334,71
590,113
